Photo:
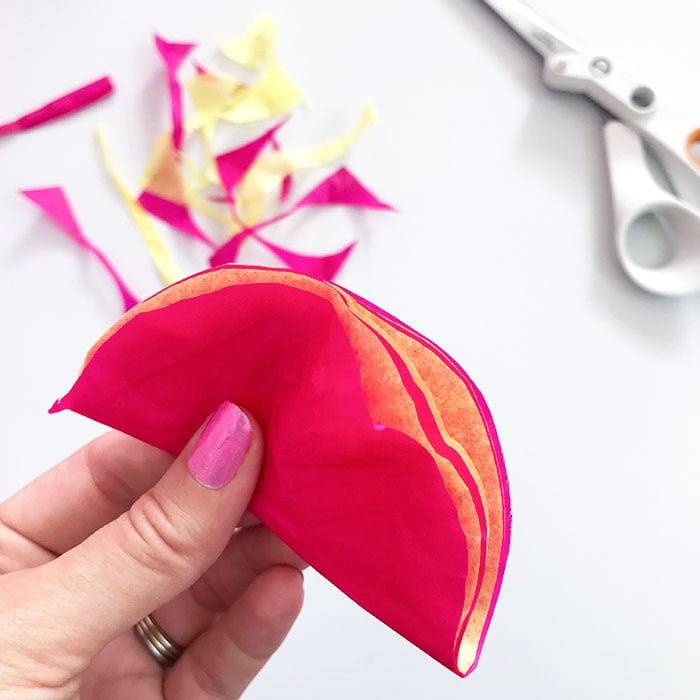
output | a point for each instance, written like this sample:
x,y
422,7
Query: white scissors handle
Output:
x,y
639,203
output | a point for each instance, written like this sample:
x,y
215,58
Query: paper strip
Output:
x,y
173,54
160,255
269,171
53,201
62,106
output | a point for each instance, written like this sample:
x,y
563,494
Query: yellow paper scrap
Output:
x,y
212,95
198,203
269,170
159,144
200,177
302,158
160,255
274,94
211,172
255,47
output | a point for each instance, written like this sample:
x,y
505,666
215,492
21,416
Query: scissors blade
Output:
x,y
535,30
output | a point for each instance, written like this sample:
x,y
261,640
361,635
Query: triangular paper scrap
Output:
x,y
53,201
324,267
342,187
233,165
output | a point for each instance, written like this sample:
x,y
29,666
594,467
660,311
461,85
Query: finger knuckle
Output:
x,y
210,683
162,536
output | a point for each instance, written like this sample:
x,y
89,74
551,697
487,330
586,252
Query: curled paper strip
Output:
x,y
383,468
53,201
157,250
62,106
173,54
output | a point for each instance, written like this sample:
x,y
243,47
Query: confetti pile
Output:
x,y
246,189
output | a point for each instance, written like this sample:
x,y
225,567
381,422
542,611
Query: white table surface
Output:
x,y
501,253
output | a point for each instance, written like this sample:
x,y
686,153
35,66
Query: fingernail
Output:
x,y
221,446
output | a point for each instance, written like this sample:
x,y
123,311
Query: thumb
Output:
x,y
161,546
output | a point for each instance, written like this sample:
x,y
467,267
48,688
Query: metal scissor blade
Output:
x,y
536,31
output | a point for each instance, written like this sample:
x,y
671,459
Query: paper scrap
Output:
x,y
164,195
173,213
324,267
211,94
233,165
288,180
157,250
339,188
270,170
53,201
342,188
173,54
256,46
274,94
62,106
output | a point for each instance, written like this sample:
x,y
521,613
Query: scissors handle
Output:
x,y
672,136
641,205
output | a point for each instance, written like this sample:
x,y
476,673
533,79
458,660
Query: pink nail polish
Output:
x,y
221,446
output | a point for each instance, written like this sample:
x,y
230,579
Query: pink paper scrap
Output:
x,y
62,106
53,201
173,54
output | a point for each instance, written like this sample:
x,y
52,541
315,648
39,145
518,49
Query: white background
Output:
x,y
501,253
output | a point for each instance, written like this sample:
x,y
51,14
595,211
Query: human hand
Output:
x,y
119,530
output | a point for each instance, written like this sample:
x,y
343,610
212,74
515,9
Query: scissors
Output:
x,y
653,155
